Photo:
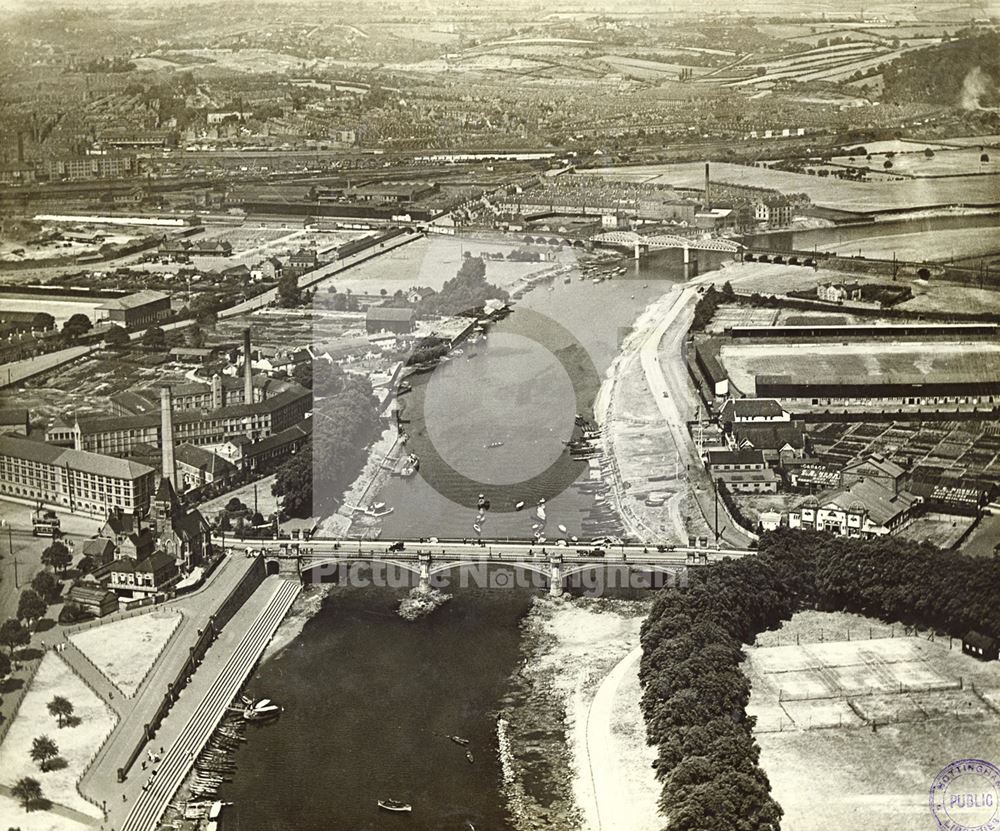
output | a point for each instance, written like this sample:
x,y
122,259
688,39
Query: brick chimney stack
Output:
x,y
247,369
169,465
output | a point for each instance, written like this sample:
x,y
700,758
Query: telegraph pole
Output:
x,y
716,483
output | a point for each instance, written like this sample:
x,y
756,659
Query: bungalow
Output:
x,y
838,292
865,510
753,411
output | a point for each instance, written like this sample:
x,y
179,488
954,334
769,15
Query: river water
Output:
x,y
370,698
527,380
369,702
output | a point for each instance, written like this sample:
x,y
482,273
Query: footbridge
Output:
x,y
640,244
318,557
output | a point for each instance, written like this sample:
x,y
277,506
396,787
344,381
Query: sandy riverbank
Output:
x,y
574,750
643,456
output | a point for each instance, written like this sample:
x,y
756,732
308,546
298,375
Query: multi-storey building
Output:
x,y
72,480
118,435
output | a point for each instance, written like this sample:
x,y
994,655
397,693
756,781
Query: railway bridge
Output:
x,y
320,557
642,245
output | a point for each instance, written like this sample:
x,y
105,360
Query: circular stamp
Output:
x,y
965,796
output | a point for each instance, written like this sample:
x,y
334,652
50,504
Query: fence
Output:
x,y
18,695
857,692
234,600
85,657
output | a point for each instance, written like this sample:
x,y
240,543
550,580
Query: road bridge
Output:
x,y
425,560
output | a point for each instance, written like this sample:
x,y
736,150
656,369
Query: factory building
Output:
x,y
72,480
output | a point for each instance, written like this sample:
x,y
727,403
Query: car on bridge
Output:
x,y
399,545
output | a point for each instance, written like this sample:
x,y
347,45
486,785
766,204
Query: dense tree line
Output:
x,y
465,293
941,74
694,692
346,419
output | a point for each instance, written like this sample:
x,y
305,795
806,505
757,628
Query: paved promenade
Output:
x,y
201,705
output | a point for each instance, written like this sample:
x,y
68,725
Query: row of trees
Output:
x,y
694,693
345,413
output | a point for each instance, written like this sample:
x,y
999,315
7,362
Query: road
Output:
x,y
320,549
17,371
613,807
311,278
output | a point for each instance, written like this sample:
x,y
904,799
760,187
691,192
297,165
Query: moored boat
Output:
x,y
395,805
459,740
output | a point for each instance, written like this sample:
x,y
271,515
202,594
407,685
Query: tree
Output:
x,y
116,337
928,153
289,293
61,708
57,556
43,750
887,164
195,337
28,791
42,322
985,157
77,325
47,586
30,606
154,338
294,484
303,374
14,634
5,666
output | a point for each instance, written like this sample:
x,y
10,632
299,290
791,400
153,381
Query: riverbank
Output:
x,y
573,746
643,458
377,469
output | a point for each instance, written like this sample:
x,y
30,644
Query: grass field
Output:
x,y
77,743
915,163
126,649
885,362
871,778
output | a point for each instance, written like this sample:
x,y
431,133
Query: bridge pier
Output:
x,y
555,575
425,572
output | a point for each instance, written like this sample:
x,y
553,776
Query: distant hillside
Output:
x,y
963,72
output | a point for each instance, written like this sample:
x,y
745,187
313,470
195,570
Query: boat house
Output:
x,y
980,646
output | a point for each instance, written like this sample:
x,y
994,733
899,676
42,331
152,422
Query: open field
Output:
x,y
950,297
915,163
940,245
125,650
77,743
864,197
430,261
879,362
872,778
942,530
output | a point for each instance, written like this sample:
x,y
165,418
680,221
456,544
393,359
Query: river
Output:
x,y
527,380
370,698
369,701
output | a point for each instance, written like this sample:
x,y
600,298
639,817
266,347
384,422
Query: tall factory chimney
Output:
x,y
708,188
167,437
20,147
247,369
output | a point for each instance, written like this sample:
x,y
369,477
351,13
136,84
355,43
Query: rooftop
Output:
x,y
77,460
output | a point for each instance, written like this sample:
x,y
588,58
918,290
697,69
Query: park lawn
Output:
x,y
12,815
125,650
77,744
